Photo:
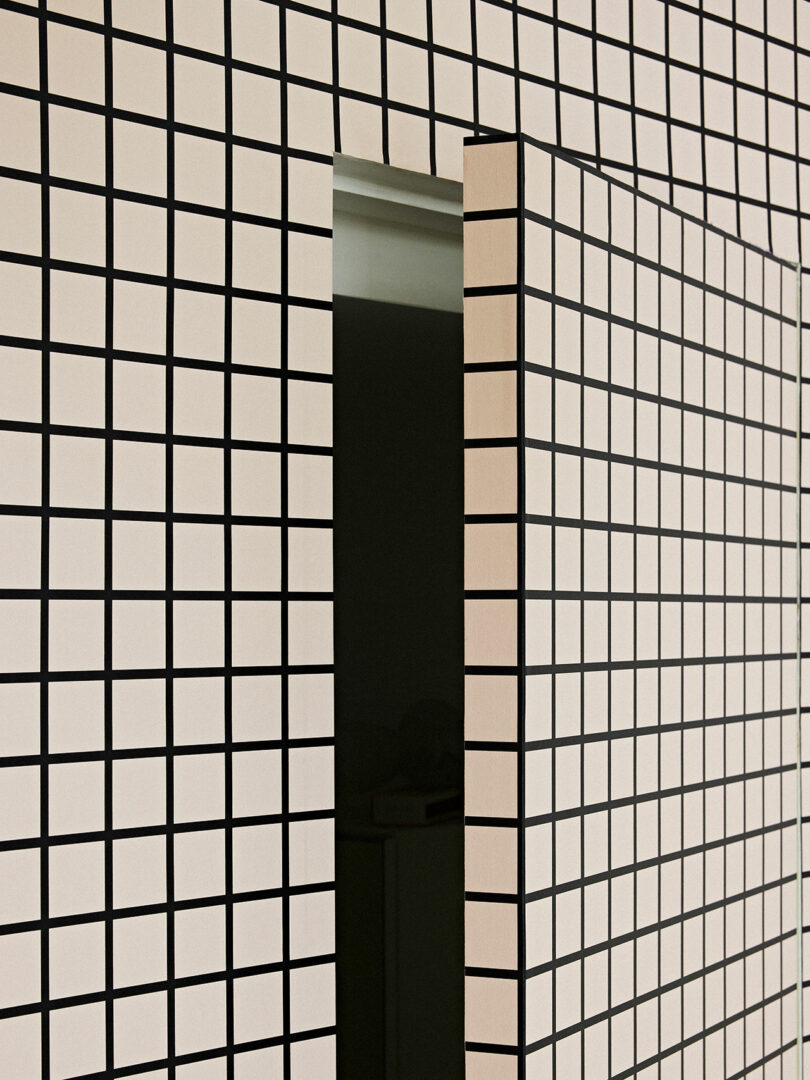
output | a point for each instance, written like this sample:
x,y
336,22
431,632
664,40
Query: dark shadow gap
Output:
x,y
399,690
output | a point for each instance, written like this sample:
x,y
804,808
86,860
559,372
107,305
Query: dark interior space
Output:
x,y
399,690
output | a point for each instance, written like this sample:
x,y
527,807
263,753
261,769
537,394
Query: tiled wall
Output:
x,y
631,632
165,260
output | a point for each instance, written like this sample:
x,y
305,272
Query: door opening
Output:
x,y
398,623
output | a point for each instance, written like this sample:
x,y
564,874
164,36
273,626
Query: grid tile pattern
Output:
x,y
166,854
165,213
631,632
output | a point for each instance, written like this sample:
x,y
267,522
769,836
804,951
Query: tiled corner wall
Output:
x,y
630,425
165,492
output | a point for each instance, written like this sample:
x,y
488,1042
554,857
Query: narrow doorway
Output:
x,y
398,623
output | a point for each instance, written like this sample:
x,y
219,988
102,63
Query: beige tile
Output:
x,y
76,878
139,634
311,120
409,141
312,778
256,483
490,253
490,783
490,709
76,144
20,543
140,17
490,556
139,237
199,24
199,248
139,396
490,480
490,934
76,716
254,33
139,555
77,308
312,852
256,332
199,706
199,170
256,633
19,49
91,10
256,782
312,997
311,632
490,859
407,74
198,404
256,706
311,706
139,713
76,960
199,633
199,325
139,158
20,215
255,408
490,324
19,133
198,480
140,1028
256,857
77,471
256,557
20,710
77,1040
258,1010
78,232
453,86
139,950
310,560
490,404
76,553
480,1066
139,792
139,78
309,339
139,871
361,129
199,788
199,89
75,63
312,924
256,107
256,257
199,559
76,797
310,266
309,413
139,481
491,1010
24,317
309,46
21,814
310,192
490,176
359,60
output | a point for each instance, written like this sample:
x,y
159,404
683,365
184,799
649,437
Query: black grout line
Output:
x,y
44,662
